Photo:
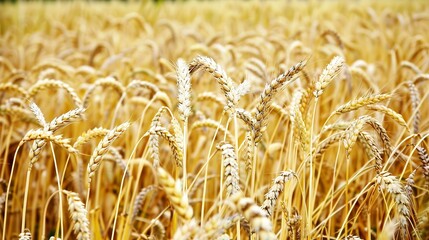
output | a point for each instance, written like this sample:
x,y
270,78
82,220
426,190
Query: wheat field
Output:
x,y
214,120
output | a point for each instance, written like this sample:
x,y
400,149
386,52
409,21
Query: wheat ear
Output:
x,y
273,194
20,113
257,217
78,215
219,74
328,74
184,90
424,158
105,143
138,202
262,109
103,82
231,168
178,199
415,101
389,112
392,185
90,134
49,83
361,102
13,88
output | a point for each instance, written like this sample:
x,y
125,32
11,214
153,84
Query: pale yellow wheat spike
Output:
x,y
262,109
352,132
43,136
26,235
415,102
394,187
172,141
257,217
157,230
300,131
38,114
326,143
230,165
103,82
361,102
49,83
178,199
411,66
153,137
389,112
273,194
14,88
424,158
90,134
226,83
371,149
78,216
105,143
210,97
19,113
58,66
138,202
246,117
184,90
209,123
328,74
53,126
135,84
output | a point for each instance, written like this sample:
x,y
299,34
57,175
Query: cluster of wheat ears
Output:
x,y
194,120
